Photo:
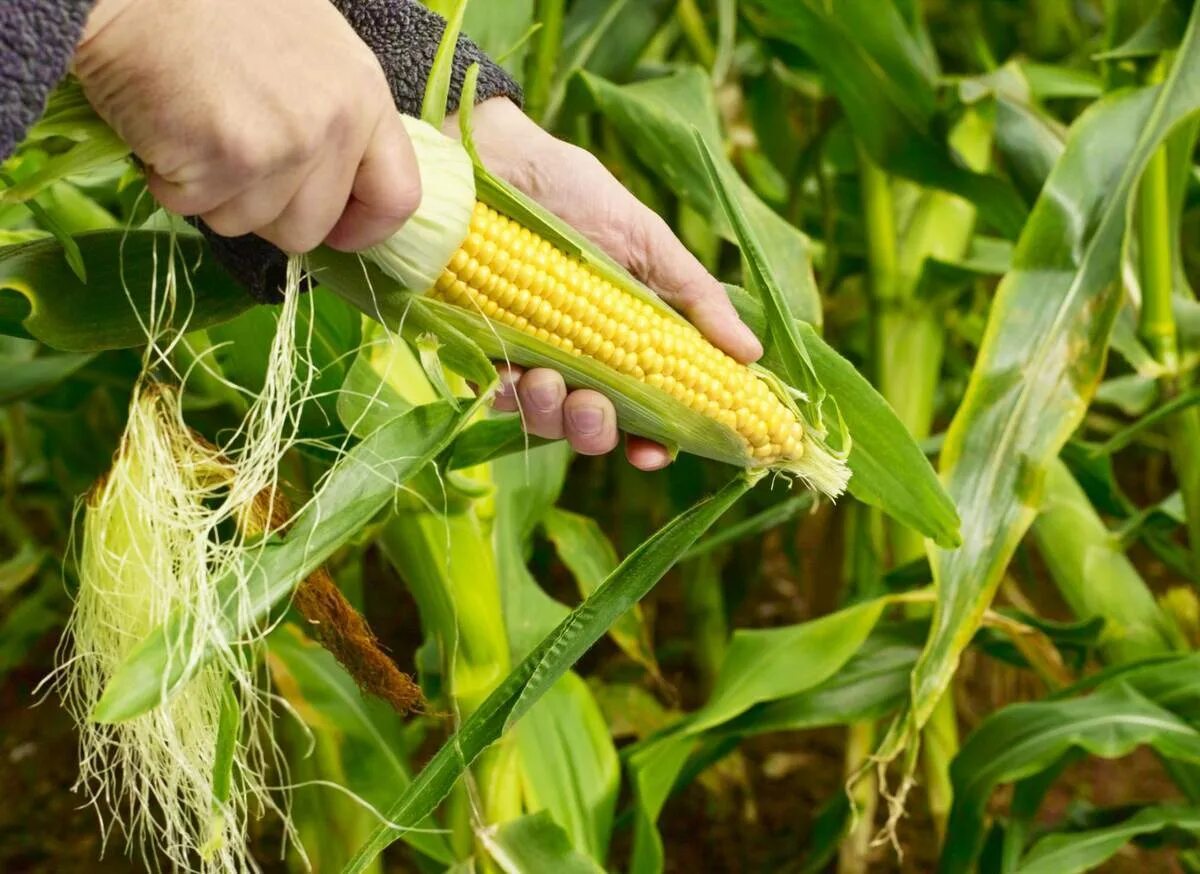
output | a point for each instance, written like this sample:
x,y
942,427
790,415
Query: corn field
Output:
x,y
280,591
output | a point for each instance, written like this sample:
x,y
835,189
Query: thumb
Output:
x,y
386,191
656,256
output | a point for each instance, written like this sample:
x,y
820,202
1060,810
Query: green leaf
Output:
x,y
48,222
657,118
20,568
569,766
490,439
54,306
606,38
890,470
370,734
535,844
784,331
590,557
1079,851
873,66
549,661
760,664
28,621
1044,349
327,330
501,30
24,377
1159,33
437,85
1093,574
1024,739
568,762
98,146
772,517
868,686
361,484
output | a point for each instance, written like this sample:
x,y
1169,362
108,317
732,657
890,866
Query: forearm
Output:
x,y
37,42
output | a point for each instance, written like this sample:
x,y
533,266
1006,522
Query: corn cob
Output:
x,y
522,298
505,272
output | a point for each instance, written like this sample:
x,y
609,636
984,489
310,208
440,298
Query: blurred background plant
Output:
x,y
991,208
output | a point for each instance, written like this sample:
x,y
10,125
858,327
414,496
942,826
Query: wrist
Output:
x,y
509,142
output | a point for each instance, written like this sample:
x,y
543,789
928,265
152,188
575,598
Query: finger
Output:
x,y
590,422
646,454
256,205
541,393
505,399
314,209
658,258
194,197
386,190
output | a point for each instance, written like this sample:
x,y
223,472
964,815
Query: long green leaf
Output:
x,y
124,267
1079,851
22,377
568,762
760,666
1024,739
535,844
548,661
1044,350
589,555
325,696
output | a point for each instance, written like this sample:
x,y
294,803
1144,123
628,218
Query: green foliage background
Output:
x,y
972,227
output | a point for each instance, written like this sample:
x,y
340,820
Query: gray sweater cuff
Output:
x,y
37,42
404,35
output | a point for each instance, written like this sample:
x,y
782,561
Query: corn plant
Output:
x,y
911,575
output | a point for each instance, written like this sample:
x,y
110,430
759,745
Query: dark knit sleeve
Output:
x,y
37,42
404,35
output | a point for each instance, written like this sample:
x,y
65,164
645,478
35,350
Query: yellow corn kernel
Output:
x,y
515,277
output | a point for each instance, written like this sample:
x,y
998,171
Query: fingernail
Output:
x,y
543,398
508,385
586,421
753,346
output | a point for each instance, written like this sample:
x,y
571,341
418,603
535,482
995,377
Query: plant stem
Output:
x,y
909,341
704,601
691,22
879,220
939,745
545,56
1156,262
1157,322
1093,574
854,851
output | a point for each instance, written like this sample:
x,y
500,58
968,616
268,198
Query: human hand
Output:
x,y
258,116
574,185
